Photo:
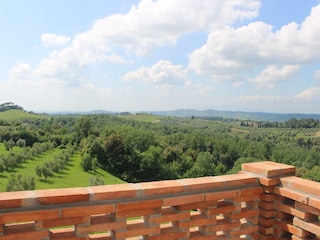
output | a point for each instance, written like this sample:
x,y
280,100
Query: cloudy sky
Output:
x,y
128,55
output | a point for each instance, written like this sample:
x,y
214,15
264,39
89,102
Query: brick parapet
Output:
x,y
264,201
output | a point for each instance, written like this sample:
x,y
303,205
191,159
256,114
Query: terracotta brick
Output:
x,y
87,210
251,191
245,213
294,229
222,195
222,207
16,199
170,233
297,196
197,219
181,200
268,197
62,233
16,217
314,202
238,180
302,185
267,214
201,184
138,229
266,230
104,223
267,205
63,195
116,191
168,215
269,169
61,222
141,208
313,227
161,187
99,236
224,225
20,228
266,222
244,229
26,235
294,211
307,208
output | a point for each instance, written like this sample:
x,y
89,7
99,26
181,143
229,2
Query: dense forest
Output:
x,y
142,147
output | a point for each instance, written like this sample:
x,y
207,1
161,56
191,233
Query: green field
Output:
x,y
71,176
16,115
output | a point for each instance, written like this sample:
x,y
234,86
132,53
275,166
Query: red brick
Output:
x,y
181,200
268,197
20,228
137,229
26,235
201,184
294,229
297,196
16,199
308,226
314,202
302,185
223,195
307,208
87,210
101,224
168,215
16,217
62,222
197,219
238,180
62,195
110,192
244,229
141,208
267,214
62,233
161,187
170,233
269,169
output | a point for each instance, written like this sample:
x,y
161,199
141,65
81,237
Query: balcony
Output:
x,y
263,201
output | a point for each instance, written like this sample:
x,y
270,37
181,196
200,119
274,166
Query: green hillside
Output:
x,y
71,176
18,115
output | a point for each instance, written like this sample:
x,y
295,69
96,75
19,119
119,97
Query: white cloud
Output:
x,y
272,74
48,39
162,73
20,71
240,50
309,94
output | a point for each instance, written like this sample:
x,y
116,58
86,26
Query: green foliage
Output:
x,y
20,183
96,181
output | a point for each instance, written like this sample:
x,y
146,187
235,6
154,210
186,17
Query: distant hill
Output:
x,y
254,116
9,106
17,115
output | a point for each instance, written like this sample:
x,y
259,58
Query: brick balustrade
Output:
x,y
264,201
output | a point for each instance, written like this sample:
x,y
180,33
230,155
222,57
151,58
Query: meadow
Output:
x,y
71,176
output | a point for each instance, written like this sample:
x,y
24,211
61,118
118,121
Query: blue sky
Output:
x,y
79,55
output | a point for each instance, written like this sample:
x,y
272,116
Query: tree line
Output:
x,y
170,148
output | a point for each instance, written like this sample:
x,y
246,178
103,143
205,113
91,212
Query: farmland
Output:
x,y
58,151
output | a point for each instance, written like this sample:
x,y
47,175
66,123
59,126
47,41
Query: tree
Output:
x,y
20,183
44,171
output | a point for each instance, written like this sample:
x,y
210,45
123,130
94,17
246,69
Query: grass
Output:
x,y
16,115
71,176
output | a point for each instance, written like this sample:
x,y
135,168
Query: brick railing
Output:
x,y
263,201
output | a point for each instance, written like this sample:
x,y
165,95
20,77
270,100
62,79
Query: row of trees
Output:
x,y
167,149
